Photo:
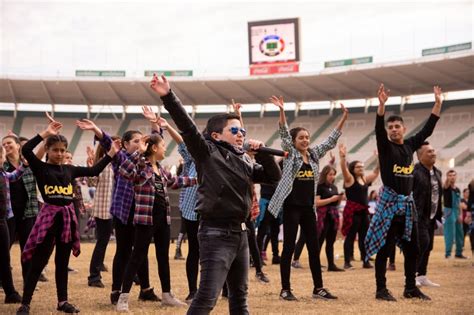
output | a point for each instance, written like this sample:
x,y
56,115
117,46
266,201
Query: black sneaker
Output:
x,y
335,268
13,298
104,268
136,280
287,295
178,255
148,295
323,294
367,265
262,277
348,266
23,310
96,284
385,295
415,294
42,278
71,270
460,256
114,297
190,297
276,260
68,308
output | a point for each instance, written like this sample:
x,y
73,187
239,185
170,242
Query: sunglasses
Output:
x,y
235,131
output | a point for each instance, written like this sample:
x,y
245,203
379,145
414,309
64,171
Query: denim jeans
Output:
x,y
224,256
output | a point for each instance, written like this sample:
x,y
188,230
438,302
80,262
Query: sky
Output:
x,y
55,38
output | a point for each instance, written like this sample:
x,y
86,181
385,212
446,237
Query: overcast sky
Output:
x,y
54,38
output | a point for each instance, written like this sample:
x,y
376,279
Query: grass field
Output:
x,y
355,288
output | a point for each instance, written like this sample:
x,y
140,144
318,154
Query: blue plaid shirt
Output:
x,y
188,196
389,204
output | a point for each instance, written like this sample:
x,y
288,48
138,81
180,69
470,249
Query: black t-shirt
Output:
x,y
267,191
159,205
18,194
302,193
55,181
396,160
326,191
358,193
448,196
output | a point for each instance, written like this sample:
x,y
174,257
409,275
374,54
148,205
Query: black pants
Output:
x,y
329,234
360,225
299,247
253,247
410,251
41,256
125,236
5,271
466,229
271,223
22,228
103,230
192,260
426,240
292,217
160,231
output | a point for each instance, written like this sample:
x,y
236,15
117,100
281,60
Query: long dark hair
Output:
x,y
351,168
294,132
154,139
52,140
324,174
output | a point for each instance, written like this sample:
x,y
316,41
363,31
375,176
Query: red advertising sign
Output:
x,y
274,68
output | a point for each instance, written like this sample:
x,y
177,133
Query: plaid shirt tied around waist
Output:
x,y
322,212
389,204
350,208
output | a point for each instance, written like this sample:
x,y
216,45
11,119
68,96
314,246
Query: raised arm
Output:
x,y
369,179
86,124
331,140
438,101
348,178
236,107
380,132
194,140
153,118
286,141
79,171
342,121
173,132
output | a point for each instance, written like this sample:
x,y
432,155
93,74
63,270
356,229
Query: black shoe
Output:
x,y
460,256
96,284
262,277
352,259
23,310
104,268
42,278
367,265
276,260
348,266
385,295
68,308
287,295
148,295
71,270
415,294
178,255
335,268
190,297
225,292
323,294
114,297
13,298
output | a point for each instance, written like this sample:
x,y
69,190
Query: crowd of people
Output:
x,y
227,227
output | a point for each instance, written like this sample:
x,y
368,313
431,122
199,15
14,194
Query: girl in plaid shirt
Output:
x,y
152,213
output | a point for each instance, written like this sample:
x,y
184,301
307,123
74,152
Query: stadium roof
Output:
x,y
453,72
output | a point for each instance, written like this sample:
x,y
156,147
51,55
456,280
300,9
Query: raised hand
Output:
x,y
160,85
383,94
90,156
86,124
53,129
236,107
278,101
438,94
150,115
143,143
10,133
342,150
345,111
114,148
163,123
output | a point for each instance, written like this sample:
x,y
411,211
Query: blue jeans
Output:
x,y
224,256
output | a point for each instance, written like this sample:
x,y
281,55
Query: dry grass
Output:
x,y
355,288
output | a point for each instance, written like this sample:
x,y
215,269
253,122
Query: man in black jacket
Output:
x,y
225,176
427,190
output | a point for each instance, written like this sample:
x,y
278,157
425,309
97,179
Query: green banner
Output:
x,y
446,49
348,62
169,73
100,73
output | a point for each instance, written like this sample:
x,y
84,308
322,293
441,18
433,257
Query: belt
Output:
x,y
231,226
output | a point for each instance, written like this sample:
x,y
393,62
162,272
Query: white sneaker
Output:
x,y
168,299
122,303
425,282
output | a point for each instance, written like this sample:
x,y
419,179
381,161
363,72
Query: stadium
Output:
x,y
100,90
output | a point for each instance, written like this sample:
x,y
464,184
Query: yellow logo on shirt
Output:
x,y
305,174
60,190
403,169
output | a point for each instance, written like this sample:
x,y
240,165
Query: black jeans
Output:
x,y
160,231
360,225
305,217
224,257
253,248
5,271
271,223
328,234
22,228
192,260
410,251
426,239
103,230
124,236
299,247
41,256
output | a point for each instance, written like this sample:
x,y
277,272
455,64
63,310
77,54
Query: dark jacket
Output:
x,y
422,195
225,177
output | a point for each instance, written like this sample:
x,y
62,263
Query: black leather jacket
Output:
x,y
225,177
422,195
